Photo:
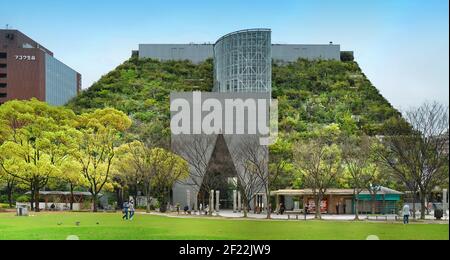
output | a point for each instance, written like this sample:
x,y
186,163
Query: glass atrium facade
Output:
x,y
243,62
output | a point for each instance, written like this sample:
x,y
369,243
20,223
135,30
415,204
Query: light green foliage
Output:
x,y
100,133
156,169
319,161
37,139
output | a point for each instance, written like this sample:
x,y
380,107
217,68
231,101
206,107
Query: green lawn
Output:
x,y
111,226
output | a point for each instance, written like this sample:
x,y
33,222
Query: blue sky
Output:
x,y
401,45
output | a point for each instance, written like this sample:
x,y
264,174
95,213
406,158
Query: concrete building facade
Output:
x,y
29,70
197,53
219,161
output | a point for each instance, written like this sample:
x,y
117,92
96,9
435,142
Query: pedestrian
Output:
x,y
406,213
344,206
178,208
282,208
131,210
305,210
337,208
125,207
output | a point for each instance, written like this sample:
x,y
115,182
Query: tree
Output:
x,y
155,170
101,131
197,150
360,168
10,182
168,168
281,168
70,173
134,168
319,162
38,138
417,150
252,176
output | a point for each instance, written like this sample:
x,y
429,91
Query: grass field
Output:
x,y
58,226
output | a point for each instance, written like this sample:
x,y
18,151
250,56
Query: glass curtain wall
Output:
x,y
243,62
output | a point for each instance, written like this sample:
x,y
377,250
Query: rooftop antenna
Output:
x,y
7,26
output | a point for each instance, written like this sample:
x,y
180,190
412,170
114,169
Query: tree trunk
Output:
x,y
356,195
36,201
422,205
71,197
149,202
94,203
268,207
374,201
163,202
318,199
10,188
119,198
32,197
245,209
414,205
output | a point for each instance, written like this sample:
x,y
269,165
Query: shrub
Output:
x,y
347,56
23,198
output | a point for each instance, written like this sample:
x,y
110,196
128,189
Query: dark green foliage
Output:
x,y
317,93
347,56
310,93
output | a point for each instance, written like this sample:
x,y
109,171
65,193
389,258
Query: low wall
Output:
x,y
58,206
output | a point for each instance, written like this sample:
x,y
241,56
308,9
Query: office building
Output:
x,y
29,70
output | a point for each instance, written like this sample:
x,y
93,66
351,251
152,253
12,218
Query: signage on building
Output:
x,y
25,57
312,206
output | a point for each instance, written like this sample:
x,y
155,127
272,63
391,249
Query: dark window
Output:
x,y
2,65
2,55
2,95
2,75
2,85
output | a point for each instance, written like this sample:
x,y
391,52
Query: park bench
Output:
x,y
382,217
295,213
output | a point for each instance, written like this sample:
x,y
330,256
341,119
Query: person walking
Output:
x,y
282,209
125,207
131,210
406,213
178,208
305,210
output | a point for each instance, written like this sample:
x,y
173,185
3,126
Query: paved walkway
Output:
x,y
237,215
231,214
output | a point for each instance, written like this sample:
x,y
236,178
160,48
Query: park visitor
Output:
x,y
125,210
131,210
305,211
406,213
282,208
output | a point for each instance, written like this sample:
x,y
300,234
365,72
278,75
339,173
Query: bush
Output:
x,y
347,56
4,199
23,199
